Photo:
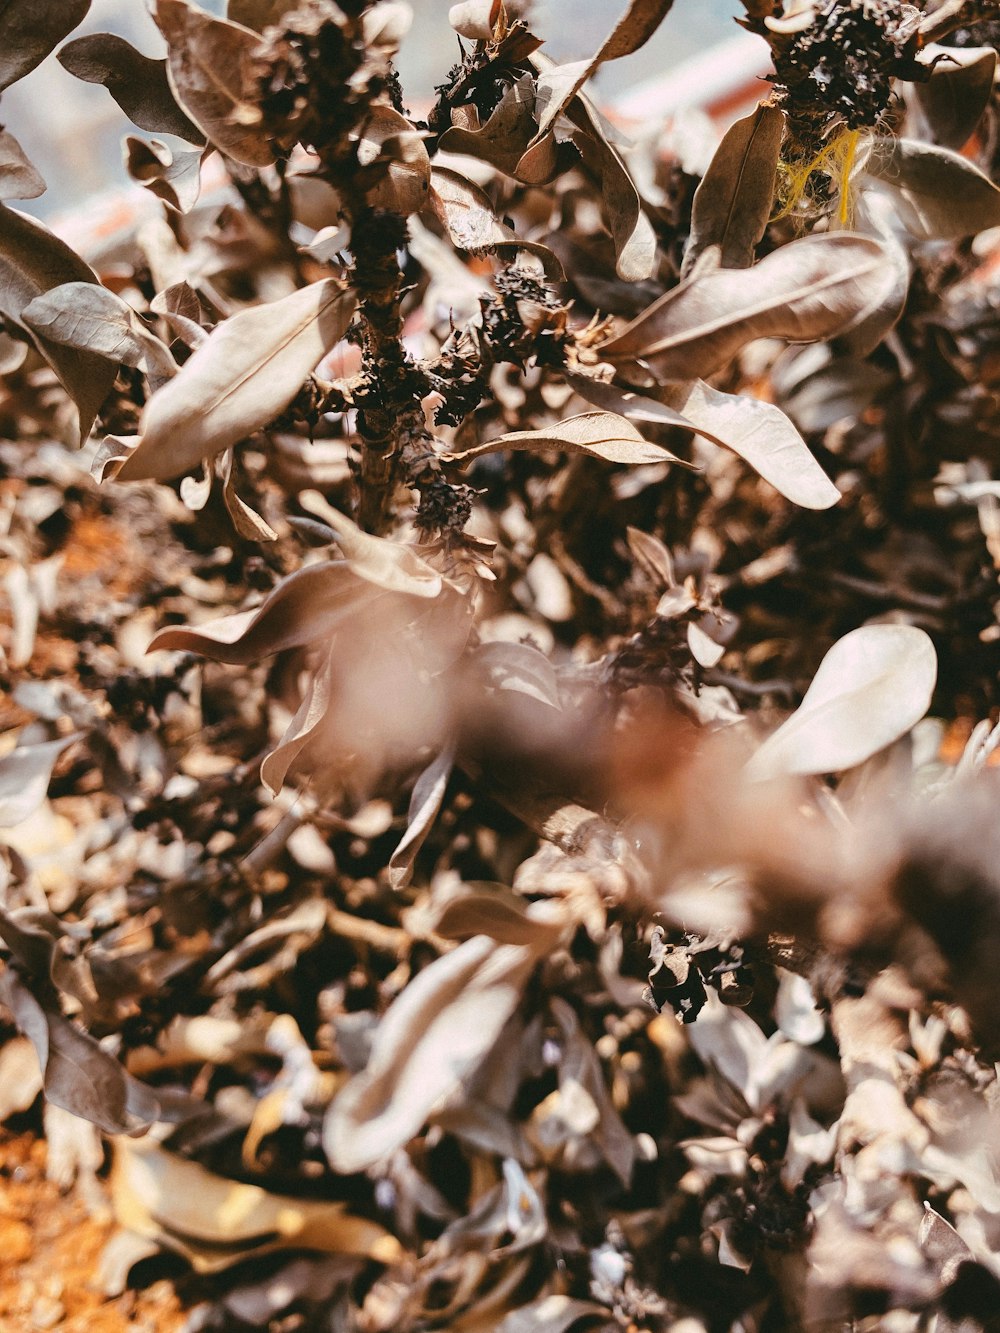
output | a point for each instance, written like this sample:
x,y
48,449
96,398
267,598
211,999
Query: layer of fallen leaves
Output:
x,y
576,907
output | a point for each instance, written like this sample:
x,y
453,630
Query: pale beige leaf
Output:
x,y
631,231
19,179
208,64
244,375
555,1314
937,194
810,289
216,1222
475,19
762,436
25,773
596,434
388,565
429,1042
305,606
468,217
734,200
247,522
138,83
33,261
426,800
873,686
30,30
173,176
91,318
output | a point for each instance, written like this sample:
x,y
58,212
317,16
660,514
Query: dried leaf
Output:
x,y
19,179
872,687
734,200
83,315
596,434
257,14
307,605
475,19
426,800
25,773
396,169
631,231
430,1041
518,667
174,177
28,32
468,217
208,65
216,1222
810,289
20,1077
386,564
79,1075
559,85
505,136
937,194
553,1314
957,93
244,375
247,522
138,83
33,261
762,436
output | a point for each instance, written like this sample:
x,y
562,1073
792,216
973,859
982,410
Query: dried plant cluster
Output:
x,y
499,777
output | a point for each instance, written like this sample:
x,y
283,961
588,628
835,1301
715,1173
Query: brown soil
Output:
x,y
50,1247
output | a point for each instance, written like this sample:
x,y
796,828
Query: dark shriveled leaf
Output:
x,y
30,29
19,178
257,14
33,261
957,94
734,200
244,375
79,1075
809,290
208,65
138,83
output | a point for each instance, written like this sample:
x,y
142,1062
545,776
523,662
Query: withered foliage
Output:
x,y
498,764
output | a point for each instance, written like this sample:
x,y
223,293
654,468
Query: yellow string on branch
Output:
x,y
835,160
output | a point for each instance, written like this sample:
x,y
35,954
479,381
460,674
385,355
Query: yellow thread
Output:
x,y
835,160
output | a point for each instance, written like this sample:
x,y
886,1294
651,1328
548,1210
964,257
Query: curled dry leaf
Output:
x,y
597,434
215,1222
33,261
91,318
208,65
244,375
631,231
79,1075
173,176
957,93
247,522
468,216
307,605
19,179
810,289
428,1043
138,83
388,565
734,200
426,801
25,773
257,14
475,20
519,667
395,162
504,137
872,687
936,194
554,1314
28,32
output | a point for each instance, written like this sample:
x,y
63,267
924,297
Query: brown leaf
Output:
x,y
957,93
505,136
631,231
395,169
936,194
597,434
244,375
79,1075
19,179
91,318
734,200
810,289
33,261
426,800
429,1042
208,65
386,564
471,223
257,14
247,522
216,1222
173,176
28,32
138,83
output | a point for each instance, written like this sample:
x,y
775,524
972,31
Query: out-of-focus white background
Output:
x,y
73,131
